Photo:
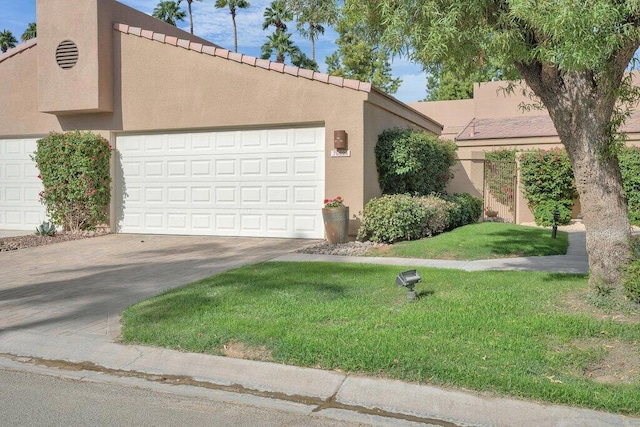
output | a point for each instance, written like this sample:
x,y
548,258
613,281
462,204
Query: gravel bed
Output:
x,y
33,240
345,249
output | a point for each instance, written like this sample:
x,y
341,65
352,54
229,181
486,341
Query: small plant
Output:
x,y
46,229
334,203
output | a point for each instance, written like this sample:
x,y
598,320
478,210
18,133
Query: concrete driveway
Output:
x,y
80,288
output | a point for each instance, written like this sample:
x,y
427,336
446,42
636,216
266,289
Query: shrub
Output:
x,y
547,177
391,218
437,215
414,162
543,213
631,275
466,209
74,168
629,160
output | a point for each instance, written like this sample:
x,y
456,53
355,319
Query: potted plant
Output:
x,y
336,220
490,212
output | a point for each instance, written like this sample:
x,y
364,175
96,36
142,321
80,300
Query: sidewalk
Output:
x,y
330,394
575,261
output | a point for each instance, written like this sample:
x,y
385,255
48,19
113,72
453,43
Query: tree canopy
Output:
x,y
169,11
30,33
360,55
573,56
7,40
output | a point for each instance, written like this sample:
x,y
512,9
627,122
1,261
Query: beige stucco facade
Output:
x,y
501,115
135,74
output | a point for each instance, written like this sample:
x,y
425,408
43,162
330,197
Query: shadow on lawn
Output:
x,y
531,241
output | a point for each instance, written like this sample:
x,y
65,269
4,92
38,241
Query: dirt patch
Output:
x,y
577,302
33,240
239,350
620,365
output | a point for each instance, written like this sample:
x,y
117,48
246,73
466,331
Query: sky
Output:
x,y
215,25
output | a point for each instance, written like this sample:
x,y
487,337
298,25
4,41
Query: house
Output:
x,y
498,118
206,141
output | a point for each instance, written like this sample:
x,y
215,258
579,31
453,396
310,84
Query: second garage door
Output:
x,y
261,183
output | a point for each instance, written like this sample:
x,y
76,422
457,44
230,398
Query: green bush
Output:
x,y
631,276
547,178
543,213
466,209
414,162
629,160
74,168
437,215
391,218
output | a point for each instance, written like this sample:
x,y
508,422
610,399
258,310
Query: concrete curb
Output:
x,y
330,391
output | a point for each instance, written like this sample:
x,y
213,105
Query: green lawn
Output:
x,y
504,332
481,241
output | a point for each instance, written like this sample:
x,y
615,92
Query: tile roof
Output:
x,y
16,50
524,127
244,59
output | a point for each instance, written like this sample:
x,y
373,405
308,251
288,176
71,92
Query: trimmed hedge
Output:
x,y
413,162
631,276
543,213
395,217
466,210
75,173
629,161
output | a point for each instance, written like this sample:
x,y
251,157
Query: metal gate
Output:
x,y
500,185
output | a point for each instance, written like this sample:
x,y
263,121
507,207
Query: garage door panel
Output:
x,y
238,183
20,206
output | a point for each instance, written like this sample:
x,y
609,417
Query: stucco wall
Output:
x,y
19,95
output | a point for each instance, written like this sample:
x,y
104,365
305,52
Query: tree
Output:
x,y
277,15
7,41
573,56
360,54
233,5
190,13
311,16
30,32
281,43
169,12
446,84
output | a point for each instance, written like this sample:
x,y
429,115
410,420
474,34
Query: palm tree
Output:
x,y
169,12
233,6
277,14
283,45
311,16
190,13
7,41
30,32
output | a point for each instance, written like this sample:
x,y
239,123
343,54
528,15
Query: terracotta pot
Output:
x,y
336,224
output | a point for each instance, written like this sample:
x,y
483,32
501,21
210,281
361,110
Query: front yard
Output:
x,y
529,335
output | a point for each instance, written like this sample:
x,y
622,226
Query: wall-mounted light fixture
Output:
x,y
340,140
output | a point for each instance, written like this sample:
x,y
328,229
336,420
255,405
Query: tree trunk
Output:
x,y
190,16
235,31
581,110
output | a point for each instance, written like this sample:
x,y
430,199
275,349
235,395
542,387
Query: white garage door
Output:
x,y
261,183
20,207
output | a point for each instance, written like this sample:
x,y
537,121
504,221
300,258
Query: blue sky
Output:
x,y
215,25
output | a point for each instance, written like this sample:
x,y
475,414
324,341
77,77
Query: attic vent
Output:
x,y
67,54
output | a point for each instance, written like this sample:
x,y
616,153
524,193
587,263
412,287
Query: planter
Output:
x,y
336,224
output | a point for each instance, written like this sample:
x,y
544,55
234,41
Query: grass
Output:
x,y
481,241
502,332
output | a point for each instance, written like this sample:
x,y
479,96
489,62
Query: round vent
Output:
x,y
67,54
